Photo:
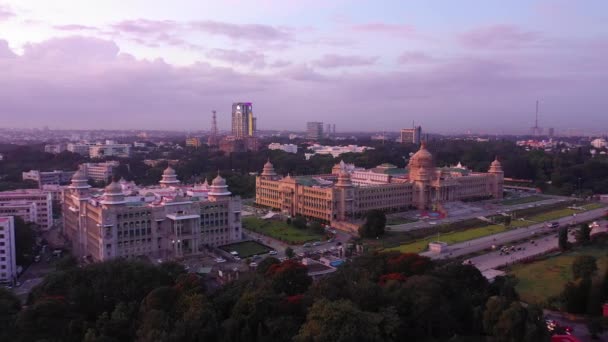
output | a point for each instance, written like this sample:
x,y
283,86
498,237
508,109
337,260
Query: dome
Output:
x,y
268,165
344,179
113,188
218,181
421,159
495,166
169,171
79,176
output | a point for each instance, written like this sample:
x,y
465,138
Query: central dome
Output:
x,y
421,159
169,171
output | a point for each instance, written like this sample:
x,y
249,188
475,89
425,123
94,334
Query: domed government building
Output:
x,y
350,191
168,221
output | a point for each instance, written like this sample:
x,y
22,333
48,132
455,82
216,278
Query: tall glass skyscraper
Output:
x,y
243,122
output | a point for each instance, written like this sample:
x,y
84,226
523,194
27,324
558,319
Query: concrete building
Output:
x,y
80,148
314,130
335,151
99,172
56,177
599,143
169,221
55,148
110,149
289,148
349,192
193,142
411,135
244,124
8,258
32,205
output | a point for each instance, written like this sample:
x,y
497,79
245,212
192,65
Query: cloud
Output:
x,y
151,33
145,26
75,49
280,63
6,13
378,27
238,57
337,61
499,37
253,32
302,72
414,57
74,27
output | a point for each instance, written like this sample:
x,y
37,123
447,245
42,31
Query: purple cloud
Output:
x,y
145,26
254,32
238,57
74,27
499,37
5,51
280,63
337,61
414,57
302,73
6,13
76,49
378,27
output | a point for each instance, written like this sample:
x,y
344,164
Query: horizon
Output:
x,y
445,66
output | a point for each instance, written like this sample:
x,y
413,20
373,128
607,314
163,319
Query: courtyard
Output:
x,y
246,249
280,230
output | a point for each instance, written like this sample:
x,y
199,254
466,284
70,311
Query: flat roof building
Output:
x,y
56,177
8,258
411,135
32,205
314,130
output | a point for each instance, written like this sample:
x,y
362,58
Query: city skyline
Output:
x,y
362,66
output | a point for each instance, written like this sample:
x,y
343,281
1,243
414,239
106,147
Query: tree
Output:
x,y
583,234
596,327
339,321
584,266
25,240
10,306
375,222
576,295
289,277
299,222
317,228
289,252
507,221
563,238
265,264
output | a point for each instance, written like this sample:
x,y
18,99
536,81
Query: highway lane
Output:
x,y
476,245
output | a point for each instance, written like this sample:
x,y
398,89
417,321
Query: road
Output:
x,y
475,212
476,245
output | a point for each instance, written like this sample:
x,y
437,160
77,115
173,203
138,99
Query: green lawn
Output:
x,y
391,221
523,200
552,215
246,248
449,238
546,278
280,230
592,206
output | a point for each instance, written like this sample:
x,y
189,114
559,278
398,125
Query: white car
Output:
x,y
220,260
273,252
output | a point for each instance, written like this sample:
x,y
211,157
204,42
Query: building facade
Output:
x,y
350,191
314,130
80,148
170,221
99,172
55,148
193,142
8,259
56,177
411,135
244,124
32,205
289,148
110,149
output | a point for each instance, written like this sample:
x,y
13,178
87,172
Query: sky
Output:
x,y
450,66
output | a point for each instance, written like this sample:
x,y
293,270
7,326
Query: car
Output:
x,y
234,253
37,258
237,258
282,259
273,252
552,224
316,243
255,257
432,223
253,264
17,284
220,260
306,245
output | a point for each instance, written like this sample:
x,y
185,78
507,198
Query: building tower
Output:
x,y
74,209
169,178
113,195
314,130
219,189
213,138
420,173
243,122
536,130
496,170
345,195
268,172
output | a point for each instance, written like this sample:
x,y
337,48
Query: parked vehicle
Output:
x,y
220,260
273,253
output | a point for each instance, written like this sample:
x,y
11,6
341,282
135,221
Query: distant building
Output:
x,y
169,221
232,144
1,157
99,172
551,132
411,135
32,205
599,143
349,192
80,148
335,151
244,124
139,144
193,142
55,148
314,130
110,149
8,258
289,148
56,177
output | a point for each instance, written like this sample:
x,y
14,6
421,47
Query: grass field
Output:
x,y
391,221
523,200
280,230
246,248
552,215
449,238
592,206
546,278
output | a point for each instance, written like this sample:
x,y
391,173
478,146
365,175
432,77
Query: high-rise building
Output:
x,y
243,122
551,132
8,260
314,130
411,135
193,142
